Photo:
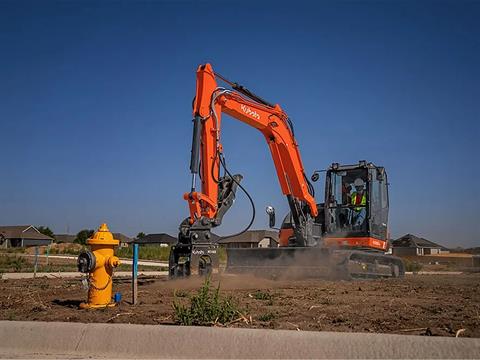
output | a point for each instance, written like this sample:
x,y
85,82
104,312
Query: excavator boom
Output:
x,y
209,104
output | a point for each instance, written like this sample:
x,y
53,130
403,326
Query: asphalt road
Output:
x,y
77,340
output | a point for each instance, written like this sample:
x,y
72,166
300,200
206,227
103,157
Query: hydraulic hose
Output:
x,y
222,162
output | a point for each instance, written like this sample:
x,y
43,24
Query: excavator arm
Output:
x,y
208,205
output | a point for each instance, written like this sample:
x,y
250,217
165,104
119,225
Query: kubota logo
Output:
x,y
250,112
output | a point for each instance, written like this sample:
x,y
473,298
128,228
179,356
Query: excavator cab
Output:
x,y
356,206
355,212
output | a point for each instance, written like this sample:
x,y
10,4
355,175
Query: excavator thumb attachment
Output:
x,y
312,262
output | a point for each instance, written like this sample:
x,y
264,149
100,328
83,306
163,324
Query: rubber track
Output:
x,y
313,263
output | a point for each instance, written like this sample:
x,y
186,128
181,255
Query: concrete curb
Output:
x,y
73,340
434,273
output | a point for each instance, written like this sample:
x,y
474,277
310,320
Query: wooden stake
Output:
x,y
36,263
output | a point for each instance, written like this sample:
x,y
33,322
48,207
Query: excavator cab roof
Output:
x,y
362,164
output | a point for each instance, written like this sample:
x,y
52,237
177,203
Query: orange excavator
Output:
x,y
345,237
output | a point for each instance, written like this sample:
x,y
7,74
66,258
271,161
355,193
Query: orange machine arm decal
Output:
x,y
210,102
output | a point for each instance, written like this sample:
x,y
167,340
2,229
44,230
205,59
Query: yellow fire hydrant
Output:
x,y
99,264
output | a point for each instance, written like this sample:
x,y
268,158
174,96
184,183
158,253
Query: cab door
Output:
x,y
378,211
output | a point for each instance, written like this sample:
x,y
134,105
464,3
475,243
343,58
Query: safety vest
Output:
x,y
362,202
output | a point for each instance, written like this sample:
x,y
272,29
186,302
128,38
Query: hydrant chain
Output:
x,y
97,288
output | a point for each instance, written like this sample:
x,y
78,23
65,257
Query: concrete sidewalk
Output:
x,y
76,340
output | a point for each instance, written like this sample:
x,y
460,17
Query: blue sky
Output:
x,y
95,111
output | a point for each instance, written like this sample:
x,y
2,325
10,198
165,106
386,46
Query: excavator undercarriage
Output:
x,y
312,262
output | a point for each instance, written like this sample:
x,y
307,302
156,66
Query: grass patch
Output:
x,y
207,307
14,250
267,317
66,250
412,266
145,252
150,252
12,263
260,295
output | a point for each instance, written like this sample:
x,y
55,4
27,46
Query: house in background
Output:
x,y
22,236
249,239
125,240
161,239
252,239
411,245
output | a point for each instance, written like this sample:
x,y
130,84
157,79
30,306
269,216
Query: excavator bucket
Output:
x,y
312,262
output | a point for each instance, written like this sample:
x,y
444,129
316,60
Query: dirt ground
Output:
x,y
419,304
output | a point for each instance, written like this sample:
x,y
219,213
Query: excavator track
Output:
x,y
308,262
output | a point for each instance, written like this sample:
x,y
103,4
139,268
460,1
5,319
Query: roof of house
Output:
x,y
161,238
410,240
250,236
22,232
122,237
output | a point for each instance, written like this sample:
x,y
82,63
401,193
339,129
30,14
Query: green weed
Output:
x,y
267,317
412,266
206,308
259,295
12,263
180,294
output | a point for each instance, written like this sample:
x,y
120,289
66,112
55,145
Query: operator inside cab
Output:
x,y
359,202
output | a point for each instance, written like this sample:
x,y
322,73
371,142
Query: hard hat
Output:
x,y
358,182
